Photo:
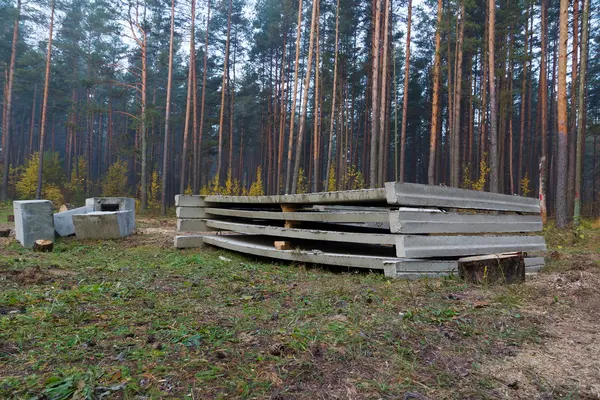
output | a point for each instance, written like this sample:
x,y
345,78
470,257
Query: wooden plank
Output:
x,y
430,222
309,234
491,268
282,245
420,246
412,194
356,216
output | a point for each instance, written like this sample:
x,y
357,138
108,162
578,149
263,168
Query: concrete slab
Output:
x,y
419,246
114,204
431,222
103,225
190,212
187,242
297,233
63,221
258,246
33,221
341,197
192,225
412,194
350,216
182,200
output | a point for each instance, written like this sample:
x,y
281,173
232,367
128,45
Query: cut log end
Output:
x,y
44,246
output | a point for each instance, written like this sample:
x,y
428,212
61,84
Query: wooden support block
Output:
x,y
492,268
283,245
11,218
4,232
44,246
290,208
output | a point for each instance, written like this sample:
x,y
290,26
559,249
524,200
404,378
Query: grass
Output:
x,y
136,318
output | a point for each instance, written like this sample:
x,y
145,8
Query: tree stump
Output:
x,y
493,268
44,246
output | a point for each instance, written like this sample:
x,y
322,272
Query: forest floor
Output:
x,y
138,319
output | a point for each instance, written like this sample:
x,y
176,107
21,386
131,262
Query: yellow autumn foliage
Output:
x,y
115,182
52,179
256,189
478,184
154,192
331,184
301,183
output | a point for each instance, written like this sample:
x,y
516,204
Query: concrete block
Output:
x,y
432,222
350,216
103,225
187,242
412,194
182,200
114,204
63,221
33,221
192,225
418,246
190,212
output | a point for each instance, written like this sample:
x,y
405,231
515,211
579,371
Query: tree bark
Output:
x,y
581,119
38,193
383,133
374,96
435,107
163,198
562,164
333,94
573,120
8,115
455,135
188,107
203,98
288,177
223,89
301,127
492,81
544,109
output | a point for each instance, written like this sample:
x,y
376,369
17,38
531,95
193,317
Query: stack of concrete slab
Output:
x,y
407,230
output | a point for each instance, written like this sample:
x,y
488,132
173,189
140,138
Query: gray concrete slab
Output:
x,y
114,204
192,225
182,200
190,212
534,262
420,246
296,233
187,242
249,244
341,197
33,221
411,194
429,222
351,216
103,225
63,221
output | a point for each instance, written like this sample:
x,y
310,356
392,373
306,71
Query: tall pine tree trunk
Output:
x,y
165,161
573,120
494,173
405,96
203,98
544,109
8,101
333,95
375,96
562,164
188,107
223,90
304,104
38,193
435,105
455,136
581,119
383,132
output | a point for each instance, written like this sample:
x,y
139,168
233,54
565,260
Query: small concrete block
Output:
x,y
182,200
187,242
33,221
63,221
103,225
114,204
192,225
190,212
